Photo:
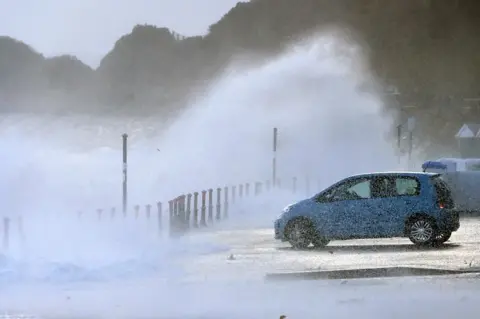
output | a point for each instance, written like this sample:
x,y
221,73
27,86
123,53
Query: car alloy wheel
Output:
x,y
422,231
298,234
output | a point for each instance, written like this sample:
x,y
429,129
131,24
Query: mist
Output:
x,y
54,166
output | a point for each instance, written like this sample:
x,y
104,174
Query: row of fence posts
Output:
x,y
113,212
185,211
243,191
200,209
137,213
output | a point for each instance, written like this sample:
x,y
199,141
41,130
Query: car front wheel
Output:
x,y
422,231
299,233
320,242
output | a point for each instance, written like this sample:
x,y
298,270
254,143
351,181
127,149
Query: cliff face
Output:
x,y
427,49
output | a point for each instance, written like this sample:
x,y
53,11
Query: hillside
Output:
x,y
428,49
31,82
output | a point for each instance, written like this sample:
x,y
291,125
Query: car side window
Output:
x,y
383,187
362,189
353,190
407,186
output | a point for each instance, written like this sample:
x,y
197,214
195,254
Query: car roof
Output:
x,y
396,173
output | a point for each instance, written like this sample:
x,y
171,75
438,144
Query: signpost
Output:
x,y
410,126
274,160
124,170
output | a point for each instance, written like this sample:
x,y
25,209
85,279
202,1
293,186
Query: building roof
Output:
x,y
469,130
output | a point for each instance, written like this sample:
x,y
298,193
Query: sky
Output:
x,y
89,28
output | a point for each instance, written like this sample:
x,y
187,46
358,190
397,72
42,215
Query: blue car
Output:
x,y
416,205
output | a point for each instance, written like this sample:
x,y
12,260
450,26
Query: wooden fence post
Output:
x,y
203,220
234,193
225,204
189,208
184,223
247,189
218,215
174,218
170,213
258,188
210,205
195,209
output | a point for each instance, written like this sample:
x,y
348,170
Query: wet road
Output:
x,y
254,253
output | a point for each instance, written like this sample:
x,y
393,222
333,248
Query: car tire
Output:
x,y
299,233
422,231
320,241
442,237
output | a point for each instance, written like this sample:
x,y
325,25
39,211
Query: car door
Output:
x,y
397,200
349,208
383,197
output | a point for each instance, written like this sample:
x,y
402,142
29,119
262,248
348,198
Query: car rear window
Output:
x,y
444,195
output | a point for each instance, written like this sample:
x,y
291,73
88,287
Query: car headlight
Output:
x,y
284,211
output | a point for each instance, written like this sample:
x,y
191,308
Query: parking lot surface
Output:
x,y
254,253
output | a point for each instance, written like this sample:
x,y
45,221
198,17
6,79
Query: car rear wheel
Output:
x,y
299,233
443,237
422,231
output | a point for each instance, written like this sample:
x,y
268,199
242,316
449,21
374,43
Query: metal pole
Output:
x,y
411,126
124,192
399,135
399,140
274,160
410,149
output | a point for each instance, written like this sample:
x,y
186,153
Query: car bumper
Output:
x,y
279,230
450,220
